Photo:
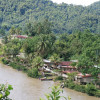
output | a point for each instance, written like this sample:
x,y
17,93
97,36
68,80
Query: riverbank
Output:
x,y
89,89
27,88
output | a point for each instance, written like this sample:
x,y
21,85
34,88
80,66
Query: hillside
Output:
x,y
65,18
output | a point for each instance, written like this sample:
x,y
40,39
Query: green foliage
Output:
x,y
5,40
5,91
2,32
55,94
59,78
97,93
71,76
80,88
65,18
73,64
55,58
12,48
91,89
5,61
15,65
37,62
70,84
38,28
39,45
33,72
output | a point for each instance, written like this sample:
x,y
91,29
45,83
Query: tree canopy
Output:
x,y
65,18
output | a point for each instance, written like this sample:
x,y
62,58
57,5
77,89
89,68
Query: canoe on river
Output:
x,y
45,79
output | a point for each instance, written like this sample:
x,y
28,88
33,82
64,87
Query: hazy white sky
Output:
x,y
76,2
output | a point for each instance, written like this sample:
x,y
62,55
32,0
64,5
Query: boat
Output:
x,y
46,79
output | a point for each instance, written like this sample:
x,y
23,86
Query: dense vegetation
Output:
x,y
43,44
65,18
90,89
83,46
39,19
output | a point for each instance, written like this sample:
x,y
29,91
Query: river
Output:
x,y
26,88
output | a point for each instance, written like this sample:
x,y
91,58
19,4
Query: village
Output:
x,y
66,68
62,68
18,53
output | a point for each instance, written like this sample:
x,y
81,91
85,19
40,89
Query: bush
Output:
x,y
5,61
5,91
91,89
59,78
79,88
97,93
12,64
16,66
70,84
33,72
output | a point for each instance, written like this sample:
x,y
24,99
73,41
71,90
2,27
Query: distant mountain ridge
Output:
x,y
65,18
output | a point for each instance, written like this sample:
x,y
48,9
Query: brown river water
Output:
x,y
26,88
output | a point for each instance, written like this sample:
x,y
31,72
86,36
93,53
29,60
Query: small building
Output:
x,y
48,64
67,68
87,78
19,37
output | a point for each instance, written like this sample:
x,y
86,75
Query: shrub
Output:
x,y
91,89
33,72
97,93
5,61
16,66
5,91
79,88
71,85
55,94
12,64
59,78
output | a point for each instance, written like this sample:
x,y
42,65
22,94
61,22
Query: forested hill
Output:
x,y
65,18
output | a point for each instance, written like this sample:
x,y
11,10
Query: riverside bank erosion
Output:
x,y
26,88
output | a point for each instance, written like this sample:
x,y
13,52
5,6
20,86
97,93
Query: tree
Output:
x,y
71,76
37,62
55,58
84,64
42,45
12,48
5,40
47,26
2,32
12,30
29,30
29,46
18,30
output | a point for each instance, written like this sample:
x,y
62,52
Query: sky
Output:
x,y
76,2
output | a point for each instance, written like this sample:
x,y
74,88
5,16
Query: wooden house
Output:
x,y
87,78
48,64
67,68
19,37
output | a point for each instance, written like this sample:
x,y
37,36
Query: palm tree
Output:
x,y
37,62
43,45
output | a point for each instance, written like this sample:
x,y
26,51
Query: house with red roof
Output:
x,y
84,78
67,68
19,37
